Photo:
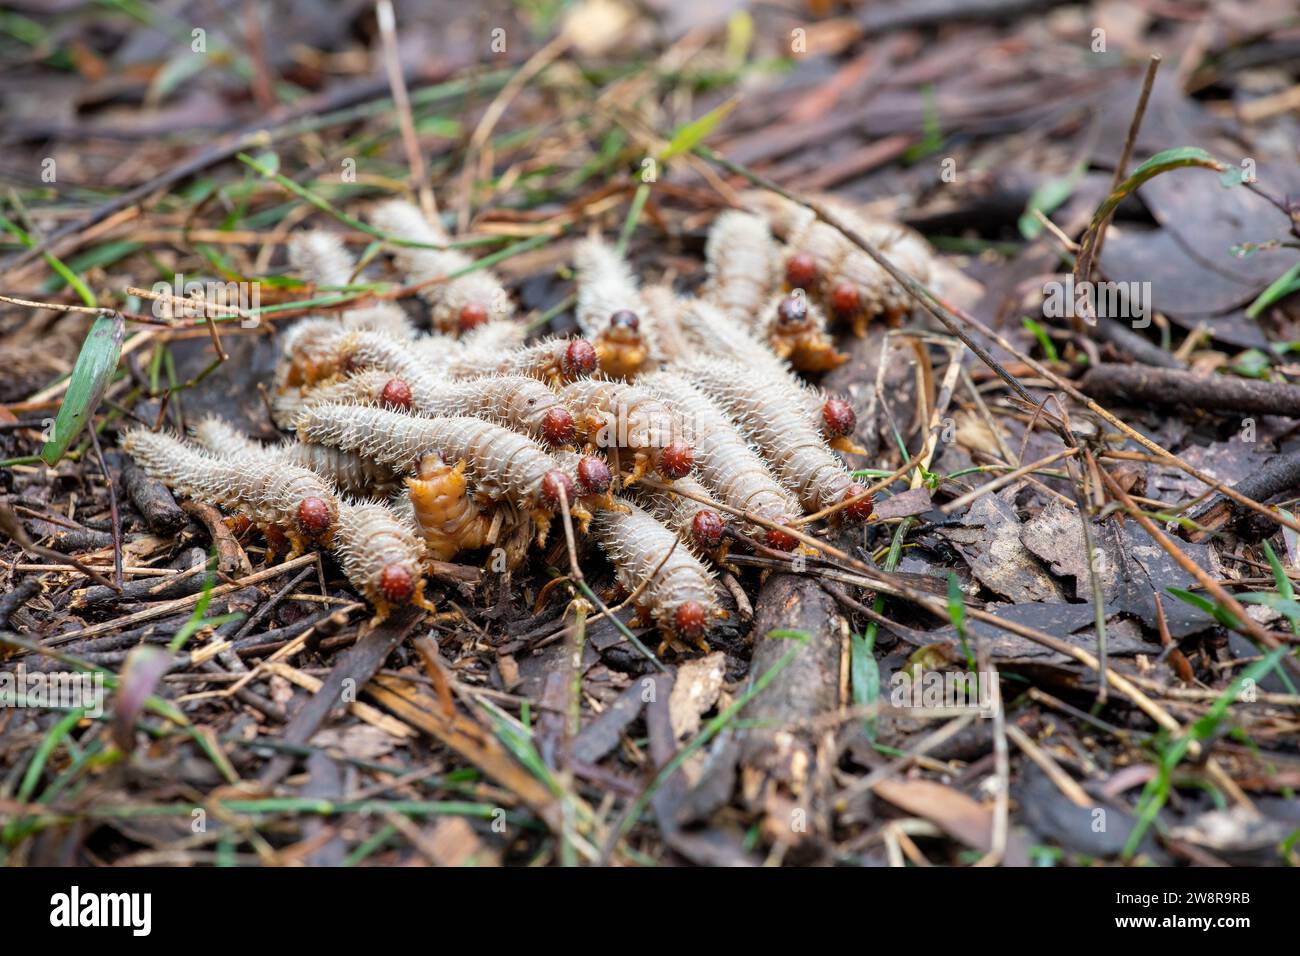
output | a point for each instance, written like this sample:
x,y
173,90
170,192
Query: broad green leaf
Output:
x,y
90,378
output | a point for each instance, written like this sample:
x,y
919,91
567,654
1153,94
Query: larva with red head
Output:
x,y
796,330
520,403
553,361
382,556
697,523
346,471
457,305
724,460
741,258
679,592
373,386
709,331
618,415
610,310
439,503
593,481
780,431
501,463
296,502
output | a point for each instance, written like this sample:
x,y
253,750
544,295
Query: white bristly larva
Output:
x,y
346,471
292,500
779,429
616,415
459,304
661,317
700,524
382,556
321,257
370,387
724,460
553,361
511,400
517,402
502,464
711,332
609,310
679,592
741,258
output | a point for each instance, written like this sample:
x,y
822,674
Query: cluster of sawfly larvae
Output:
x,y
415,447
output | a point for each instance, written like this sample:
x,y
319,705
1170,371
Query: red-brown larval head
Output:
x,y
689,619
846,300
860,510
839,416
793,310
558,427
594,475
801,271
706,528
676,460
580,359
625,319
314,516
552,484
397,583
472,315
779,540
396,394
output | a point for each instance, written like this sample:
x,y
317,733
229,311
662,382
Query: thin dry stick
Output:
x,y
1010,477
1064,782
402,102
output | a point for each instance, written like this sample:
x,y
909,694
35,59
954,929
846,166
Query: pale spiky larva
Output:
x,y
724,460
346,471
698,523
517,402
278,497
321,257
679,594
502,464
439,503
553,361
821,260
741,258
371,387
795,328
778,429
662,309
444,352
592,480
513,400
610,309
712,332
616,415
459,304
382,556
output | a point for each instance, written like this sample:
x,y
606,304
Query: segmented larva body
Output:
x,y
795,451
309,353
795,328
616,415
712,332
662,310
553,361
502,464
821,260
371,387
679,593
698,523
439,503
382,556
517,402
724,460
592,478
321,256
346,471
741,257
459,304
292,500
444,352
610,309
